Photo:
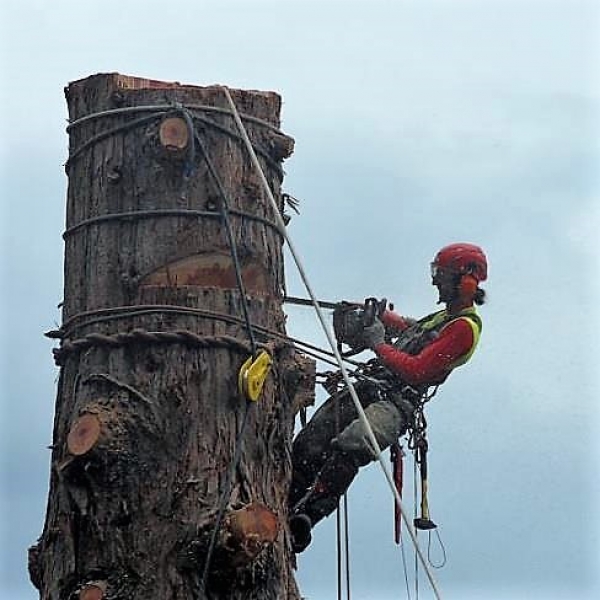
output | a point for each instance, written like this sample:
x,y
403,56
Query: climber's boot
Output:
x,y
322,498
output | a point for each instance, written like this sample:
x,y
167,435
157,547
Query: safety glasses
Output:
x,y
438,272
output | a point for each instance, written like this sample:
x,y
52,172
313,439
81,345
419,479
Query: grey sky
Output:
x,y
417,123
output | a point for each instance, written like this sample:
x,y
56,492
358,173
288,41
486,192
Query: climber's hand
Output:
x,y
374,334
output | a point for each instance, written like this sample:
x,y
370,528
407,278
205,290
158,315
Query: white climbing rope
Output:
x,y
361,412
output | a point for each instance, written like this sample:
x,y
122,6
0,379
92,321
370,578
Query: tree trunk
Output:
x,y
153,337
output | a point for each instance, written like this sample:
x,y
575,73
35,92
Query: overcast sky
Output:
x,y
417,123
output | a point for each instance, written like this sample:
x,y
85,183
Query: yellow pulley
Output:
x,y
253,374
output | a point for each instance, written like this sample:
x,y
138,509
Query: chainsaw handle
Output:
x,y
369,312
373,308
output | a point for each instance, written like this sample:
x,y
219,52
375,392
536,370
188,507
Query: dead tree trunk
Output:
x,y
153,337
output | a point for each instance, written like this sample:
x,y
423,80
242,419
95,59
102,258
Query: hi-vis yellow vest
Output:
x,y
435,322
417,336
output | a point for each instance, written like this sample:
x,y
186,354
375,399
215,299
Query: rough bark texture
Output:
x,y
147,409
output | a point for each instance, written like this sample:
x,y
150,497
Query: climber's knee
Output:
x,y
387,424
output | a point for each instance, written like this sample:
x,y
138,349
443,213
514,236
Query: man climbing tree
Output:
x,y
412,356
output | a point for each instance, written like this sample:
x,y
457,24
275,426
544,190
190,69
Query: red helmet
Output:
x,y
462,258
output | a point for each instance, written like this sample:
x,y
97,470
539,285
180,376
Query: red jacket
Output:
x,y
434,363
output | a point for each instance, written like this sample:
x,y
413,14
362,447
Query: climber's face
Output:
x,y
445,281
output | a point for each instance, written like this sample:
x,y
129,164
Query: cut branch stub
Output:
x,y
248,530
282,146
174,134
84,434
93,591
300,380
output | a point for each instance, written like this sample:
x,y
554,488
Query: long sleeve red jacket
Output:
x,y
434,363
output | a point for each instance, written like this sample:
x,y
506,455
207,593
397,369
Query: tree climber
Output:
x,y
328,452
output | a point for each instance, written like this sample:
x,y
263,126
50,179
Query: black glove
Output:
x,y
374,334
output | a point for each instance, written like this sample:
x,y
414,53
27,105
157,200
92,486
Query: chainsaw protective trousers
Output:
x,y
387,423
328,452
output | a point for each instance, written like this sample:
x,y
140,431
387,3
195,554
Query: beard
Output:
x,y
446,294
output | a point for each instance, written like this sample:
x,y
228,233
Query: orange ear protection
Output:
x,y
467,286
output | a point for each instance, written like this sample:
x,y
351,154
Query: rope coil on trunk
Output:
x,y
159,111
142,336
104,315
169,212
163,107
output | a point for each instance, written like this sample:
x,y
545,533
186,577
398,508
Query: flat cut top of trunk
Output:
x,y
131,82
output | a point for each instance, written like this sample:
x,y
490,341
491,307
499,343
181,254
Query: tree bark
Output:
x,y
153,337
